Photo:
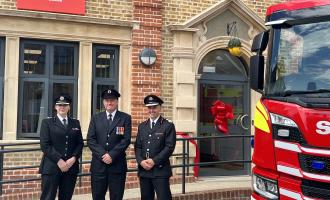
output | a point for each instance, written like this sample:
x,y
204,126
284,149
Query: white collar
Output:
x,y
155,120
61,118
112,114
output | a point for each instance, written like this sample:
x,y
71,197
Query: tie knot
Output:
x,y
64,122
153,124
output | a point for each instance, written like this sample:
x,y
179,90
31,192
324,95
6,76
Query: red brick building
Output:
x,y
83,51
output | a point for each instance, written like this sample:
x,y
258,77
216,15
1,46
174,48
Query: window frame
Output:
x,y
48,79
2,73
104,81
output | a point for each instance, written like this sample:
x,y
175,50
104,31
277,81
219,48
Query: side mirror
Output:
x,y
260,42
257,73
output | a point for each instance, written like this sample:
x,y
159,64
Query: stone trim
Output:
x,y
65,17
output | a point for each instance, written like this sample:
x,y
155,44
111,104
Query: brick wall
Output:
x,y
104,9
145,80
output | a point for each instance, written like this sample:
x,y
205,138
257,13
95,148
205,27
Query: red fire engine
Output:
x,y
291,158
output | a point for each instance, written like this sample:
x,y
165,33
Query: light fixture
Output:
x,y
148,56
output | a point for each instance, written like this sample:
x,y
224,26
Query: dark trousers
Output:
x,y
148,186
114,181
64,182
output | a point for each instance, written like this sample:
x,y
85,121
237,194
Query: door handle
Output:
x,y
236,121
241,122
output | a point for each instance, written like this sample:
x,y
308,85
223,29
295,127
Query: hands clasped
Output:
x,y
147,164
106,158
66,165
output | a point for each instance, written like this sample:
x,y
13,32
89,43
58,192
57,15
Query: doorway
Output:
x,y
224,78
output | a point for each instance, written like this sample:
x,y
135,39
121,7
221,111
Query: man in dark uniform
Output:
x,y
61,143
109,135
155,143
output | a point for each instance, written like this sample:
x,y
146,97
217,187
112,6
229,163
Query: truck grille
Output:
x,y
294,136
306,162
314,189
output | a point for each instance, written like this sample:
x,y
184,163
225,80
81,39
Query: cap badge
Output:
x,y
150,98
109,91
61,98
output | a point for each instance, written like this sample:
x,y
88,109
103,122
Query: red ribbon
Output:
x,y
222,113
196,159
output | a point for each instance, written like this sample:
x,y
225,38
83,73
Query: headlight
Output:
x,y
265,187
281,120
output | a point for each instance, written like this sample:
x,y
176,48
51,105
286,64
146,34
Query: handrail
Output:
x,y
185,153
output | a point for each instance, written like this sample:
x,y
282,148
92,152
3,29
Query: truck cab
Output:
x,y
291,155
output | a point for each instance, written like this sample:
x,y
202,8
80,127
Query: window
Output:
x,y
47,69
105,73
2,67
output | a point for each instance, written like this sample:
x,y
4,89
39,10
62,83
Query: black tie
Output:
x,y
153,124
110,118
64,123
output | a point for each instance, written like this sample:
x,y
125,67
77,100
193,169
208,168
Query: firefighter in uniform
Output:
x,y
61,143
108,137
155,143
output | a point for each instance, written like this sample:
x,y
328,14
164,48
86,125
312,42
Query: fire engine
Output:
x,y
291,157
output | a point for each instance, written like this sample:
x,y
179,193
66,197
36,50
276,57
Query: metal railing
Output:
x,y
184,155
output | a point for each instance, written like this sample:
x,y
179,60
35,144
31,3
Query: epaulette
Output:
x,y
146,122
170,121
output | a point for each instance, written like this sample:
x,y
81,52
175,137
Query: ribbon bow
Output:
x,y
222,113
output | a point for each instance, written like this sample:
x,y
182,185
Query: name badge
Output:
x,y
120,130
75,129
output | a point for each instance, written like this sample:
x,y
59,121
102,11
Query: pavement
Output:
x,y
202,184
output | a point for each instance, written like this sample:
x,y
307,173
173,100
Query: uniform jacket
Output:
x,y
158,143
113,139
58,142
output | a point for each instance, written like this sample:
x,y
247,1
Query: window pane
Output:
x,y
63,61
63,88
34,58
34,101
229,94
221,62
104,63
99,102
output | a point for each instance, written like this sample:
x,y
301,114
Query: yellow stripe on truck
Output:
x,y
262,109
261,118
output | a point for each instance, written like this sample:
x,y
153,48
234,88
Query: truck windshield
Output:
x,y
300,61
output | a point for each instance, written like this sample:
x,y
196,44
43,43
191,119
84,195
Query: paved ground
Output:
x,y
204,184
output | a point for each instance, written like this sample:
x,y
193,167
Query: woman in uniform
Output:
x,y
61,143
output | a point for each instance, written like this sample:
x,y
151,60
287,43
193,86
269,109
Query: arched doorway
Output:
x,y
224,77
